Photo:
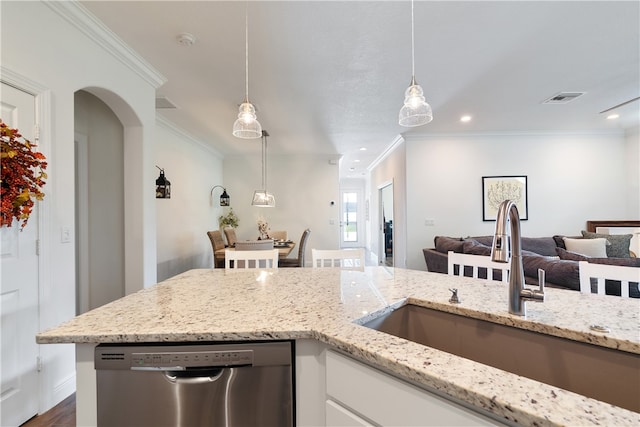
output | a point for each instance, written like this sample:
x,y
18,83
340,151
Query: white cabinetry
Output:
x,y
337,416
358,391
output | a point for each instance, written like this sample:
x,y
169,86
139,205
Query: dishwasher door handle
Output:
x,y
198,376
158,368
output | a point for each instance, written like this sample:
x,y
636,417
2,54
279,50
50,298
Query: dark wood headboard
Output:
x,y
592,225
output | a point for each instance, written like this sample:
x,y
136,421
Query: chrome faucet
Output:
x,y
518,294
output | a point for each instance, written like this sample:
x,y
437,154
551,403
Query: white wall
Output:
x,y
184,219
571,179
391,169
303,185
633,173
43,47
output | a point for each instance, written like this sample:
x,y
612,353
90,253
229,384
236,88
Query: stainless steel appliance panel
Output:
x,y
246,384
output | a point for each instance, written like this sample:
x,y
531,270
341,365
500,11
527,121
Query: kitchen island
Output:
x,y
329,305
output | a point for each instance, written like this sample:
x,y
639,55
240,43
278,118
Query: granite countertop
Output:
x,y
328,305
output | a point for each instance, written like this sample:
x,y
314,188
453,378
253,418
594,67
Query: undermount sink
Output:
x,y
601,373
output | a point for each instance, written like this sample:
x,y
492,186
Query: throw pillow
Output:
x,y
558,272
619,247
445,244
589,247
626,262
473,247
559,239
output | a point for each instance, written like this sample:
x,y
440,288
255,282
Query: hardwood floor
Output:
x,y
61,415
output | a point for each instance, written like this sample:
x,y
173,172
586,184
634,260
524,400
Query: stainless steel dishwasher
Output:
x,y
241,384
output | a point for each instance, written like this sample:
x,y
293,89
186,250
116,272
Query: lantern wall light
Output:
x,y
163,186
225,200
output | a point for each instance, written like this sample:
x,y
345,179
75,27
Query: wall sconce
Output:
x,y
163,186
225,200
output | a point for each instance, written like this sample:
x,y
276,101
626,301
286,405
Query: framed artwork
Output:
x,y
497,189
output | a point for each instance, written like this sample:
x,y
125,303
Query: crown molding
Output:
x,y
397,141
580,133
80,17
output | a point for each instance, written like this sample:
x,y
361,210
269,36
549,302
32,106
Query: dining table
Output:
x,y
284,249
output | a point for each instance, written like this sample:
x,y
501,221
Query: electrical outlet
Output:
x,y
429,222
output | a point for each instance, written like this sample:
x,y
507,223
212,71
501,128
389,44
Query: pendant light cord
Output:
x,y
413,49
264,163
246,51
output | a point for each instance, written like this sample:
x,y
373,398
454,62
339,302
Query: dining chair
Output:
x,y
476,263
346,258
217,243
254,245
604,273
230,234
278,235
235,259
300,260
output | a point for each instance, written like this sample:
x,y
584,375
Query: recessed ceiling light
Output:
x,y
465,118
356,161
363,148
613,116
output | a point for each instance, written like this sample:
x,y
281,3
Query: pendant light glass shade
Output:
x,y
247,125
262,198
415,111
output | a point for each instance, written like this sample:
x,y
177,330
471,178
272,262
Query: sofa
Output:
x,y
547,253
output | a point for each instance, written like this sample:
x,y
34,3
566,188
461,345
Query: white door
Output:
x,y
351,218
19,288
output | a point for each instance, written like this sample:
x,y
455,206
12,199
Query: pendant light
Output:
x,y
247,125
416,111
262,198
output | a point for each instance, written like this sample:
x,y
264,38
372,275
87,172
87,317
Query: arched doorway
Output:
x,y
100,216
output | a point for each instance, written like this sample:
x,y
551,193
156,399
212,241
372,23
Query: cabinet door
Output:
x,y
337,416
386,400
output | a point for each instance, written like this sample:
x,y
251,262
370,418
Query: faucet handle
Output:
x,y
454,297
539,294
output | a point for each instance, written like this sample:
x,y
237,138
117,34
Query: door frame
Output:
x,y
43,109
381,243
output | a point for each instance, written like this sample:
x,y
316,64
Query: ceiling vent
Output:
x,y
164,103
563,97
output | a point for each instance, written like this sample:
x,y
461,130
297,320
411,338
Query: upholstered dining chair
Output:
x,y
217,244
475,263
602,273
250,259
230,234
300,260
345,258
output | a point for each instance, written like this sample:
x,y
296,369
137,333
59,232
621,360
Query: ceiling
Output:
x,y
328,77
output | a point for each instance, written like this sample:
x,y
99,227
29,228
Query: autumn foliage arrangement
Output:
x,y
23,175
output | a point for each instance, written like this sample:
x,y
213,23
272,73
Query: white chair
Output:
x,y
345,258
476,262
603,272
250,259
254,245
